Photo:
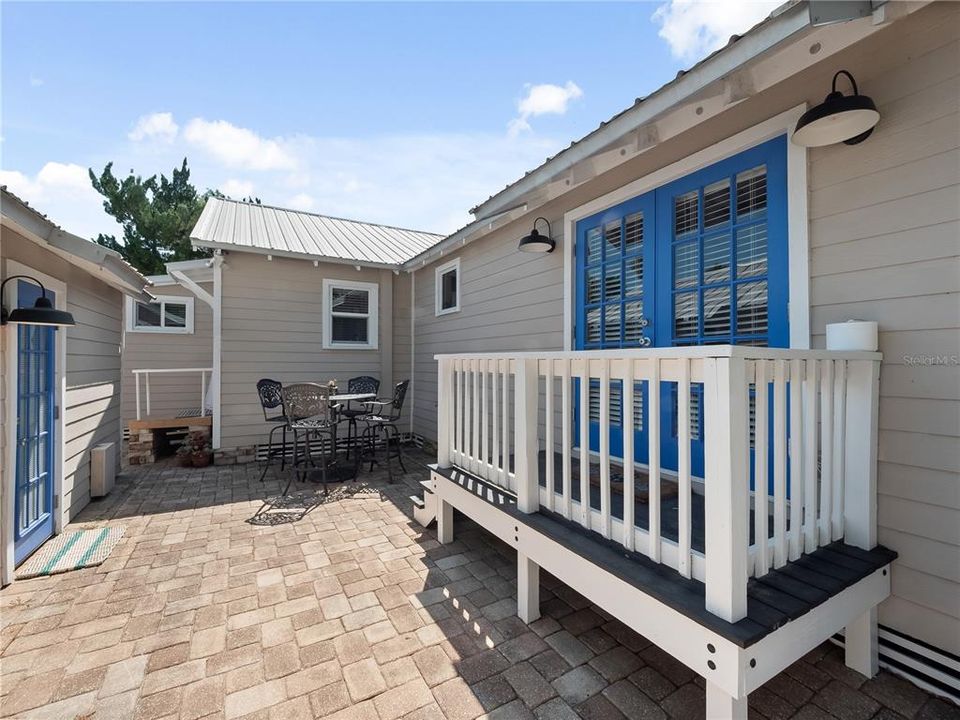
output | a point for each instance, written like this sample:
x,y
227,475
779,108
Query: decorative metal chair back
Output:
x,y
363,384
271,398
309,400
399,394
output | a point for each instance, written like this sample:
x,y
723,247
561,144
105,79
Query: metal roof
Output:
x,y
264,229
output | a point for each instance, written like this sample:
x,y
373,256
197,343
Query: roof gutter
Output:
x,y
765,37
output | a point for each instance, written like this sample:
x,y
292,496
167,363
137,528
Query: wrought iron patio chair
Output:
x,y
271,400
310,416
381,421
352,410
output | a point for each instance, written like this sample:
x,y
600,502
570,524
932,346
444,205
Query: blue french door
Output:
x,y
702,260
36,397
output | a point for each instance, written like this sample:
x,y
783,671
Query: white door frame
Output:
x,y
798,308
7,504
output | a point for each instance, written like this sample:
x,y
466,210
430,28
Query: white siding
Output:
x,y
885,245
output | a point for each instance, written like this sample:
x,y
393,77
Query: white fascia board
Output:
x,y
229,247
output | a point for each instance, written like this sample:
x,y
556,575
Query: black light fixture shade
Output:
x,y
537,243
42,313
839,118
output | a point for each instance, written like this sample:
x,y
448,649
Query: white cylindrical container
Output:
x,y
852,335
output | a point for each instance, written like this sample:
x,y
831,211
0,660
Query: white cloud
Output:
x,y
35,80
239,147
237,189
545,99
155,126
695,28
64,193
300,201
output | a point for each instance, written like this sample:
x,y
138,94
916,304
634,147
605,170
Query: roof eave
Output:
x,y
231,247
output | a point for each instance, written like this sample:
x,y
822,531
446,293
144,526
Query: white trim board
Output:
x,y
7,505
438,274
797,215
373,314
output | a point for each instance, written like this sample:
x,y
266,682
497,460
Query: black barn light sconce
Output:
x,y
42,313
839,118
537,243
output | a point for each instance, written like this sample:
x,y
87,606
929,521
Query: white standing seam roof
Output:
x,y
249,227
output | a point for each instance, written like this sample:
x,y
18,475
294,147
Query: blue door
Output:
x,y
36,397
712,269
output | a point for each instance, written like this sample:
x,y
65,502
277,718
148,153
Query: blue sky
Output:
x,y
407,114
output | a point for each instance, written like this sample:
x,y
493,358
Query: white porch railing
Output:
x,y
147,372
498,411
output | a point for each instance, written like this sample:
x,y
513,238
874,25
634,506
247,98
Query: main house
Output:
x,y
700,254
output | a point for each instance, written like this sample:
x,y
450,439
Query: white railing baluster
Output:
x,y
826,452
505,429
683,469
796,458
779,463
760,477
498,464
626,422
475,417
203,393
839,446
147,378
605,448
585,444
484,423
653,450
810,396
136,378
567,439
548,429
458,419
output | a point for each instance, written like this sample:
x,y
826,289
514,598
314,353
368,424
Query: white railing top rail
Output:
x,y
141,371
745,352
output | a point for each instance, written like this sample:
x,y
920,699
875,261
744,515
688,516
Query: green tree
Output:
x,y
156,214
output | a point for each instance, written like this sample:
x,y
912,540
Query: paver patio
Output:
x,y
219,605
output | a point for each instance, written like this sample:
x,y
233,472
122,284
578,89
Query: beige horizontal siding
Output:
x,y
175,392
885,245
272,326
91,412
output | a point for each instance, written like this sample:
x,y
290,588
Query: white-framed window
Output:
x,y
447,282
351,312
167,314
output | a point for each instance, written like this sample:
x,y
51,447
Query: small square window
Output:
x,y
351,314
166,314
448,287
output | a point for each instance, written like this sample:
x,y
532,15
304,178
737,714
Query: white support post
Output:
x,y
528,588
136,378
444,522
861,649
860,453
147,378
444,413
527,394
726,491
721,706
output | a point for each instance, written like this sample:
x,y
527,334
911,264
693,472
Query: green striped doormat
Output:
x,y
71,550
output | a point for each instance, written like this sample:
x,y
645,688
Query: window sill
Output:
x,y
448,311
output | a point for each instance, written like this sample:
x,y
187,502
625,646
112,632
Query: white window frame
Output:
x,y
162,299
442,270
373,314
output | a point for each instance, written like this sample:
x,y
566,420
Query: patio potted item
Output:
x,y
184,455
198,449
